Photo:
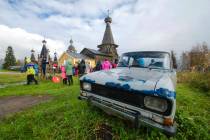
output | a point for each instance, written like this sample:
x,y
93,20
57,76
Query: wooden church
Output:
x,y
45,62
72,54
107,49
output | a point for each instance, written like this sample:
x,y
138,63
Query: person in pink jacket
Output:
x,y
63,74
106,65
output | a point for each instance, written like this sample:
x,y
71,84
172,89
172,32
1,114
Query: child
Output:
x,y
69,72
63,74
30,72
76,70
54,68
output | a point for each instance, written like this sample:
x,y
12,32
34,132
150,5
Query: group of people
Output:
x,y
81,68
105,65
67,72
68,69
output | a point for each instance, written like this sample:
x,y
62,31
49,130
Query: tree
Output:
x,y
205,52
199,56
185,61
19,62
173,56
9,59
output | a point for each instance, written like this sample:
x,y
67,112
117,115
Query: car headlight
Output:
x,y
155,103
87,86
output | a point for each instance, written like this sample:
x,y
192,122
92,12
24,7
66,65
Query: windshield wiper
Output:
x,y
138,66
152,67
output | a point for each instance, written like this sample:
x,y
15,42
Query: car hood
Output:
x,y
141,79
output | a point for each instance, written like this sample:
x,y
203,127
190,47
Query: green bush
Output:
x,y
196,80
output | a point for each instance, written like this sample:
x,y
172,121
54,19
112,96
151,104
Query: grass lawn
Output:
x,y
66,117
4,70
12,78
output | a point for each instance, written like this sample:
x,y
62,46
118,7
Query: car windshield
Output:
x,y
153,60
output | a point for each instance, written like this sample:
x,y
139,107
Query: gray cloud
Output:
x,y
22,42
137,24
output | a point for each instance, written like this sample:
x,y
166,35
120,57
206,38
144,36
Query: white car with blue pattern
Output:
x,y
141,89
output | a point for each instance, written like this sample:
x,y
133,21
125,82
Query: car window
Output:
x,y
124,61
153,60
131,61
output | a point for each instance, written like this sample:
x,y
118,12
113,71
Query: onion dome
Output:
x,y
108,19
71,47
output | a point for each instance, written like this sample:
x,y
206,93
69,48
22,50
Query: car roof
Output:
x,y
147,52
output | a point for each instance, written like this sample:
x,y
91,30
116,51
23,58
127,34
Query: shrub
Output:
x,y
196,80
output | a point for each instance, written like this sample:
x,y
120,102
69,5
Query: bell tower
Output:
x,y
44,60
71,47
33,59
108,45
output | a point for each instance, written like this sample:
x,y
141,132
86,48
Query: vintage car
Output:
x,y
141,89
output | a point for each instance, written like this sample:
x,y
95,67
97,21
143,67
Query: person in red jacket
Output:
x,y
106,65
63,74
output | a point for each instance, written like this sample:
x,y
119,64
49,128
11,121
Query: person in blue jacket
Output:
x,y
36,68
30,71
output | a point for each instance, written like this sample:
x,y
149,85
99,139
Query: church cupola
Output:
x,y
55,57
44,51
108,19
33,59
108,45
71,47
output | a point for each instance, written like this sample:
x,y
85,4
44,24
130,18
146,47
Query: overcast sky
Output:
x,y
137,24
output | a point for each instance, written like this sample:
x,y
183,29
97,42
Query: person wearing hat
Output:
x,y
30,71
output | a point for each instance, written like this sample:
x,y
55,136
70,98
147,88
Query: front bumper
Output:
x,y
129,114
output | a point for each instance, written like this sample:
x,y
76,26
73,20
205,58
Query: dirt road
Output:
x,y
14,104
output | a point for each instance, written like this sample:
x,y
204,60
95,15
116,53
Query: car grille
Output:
x,y
119,95
128,97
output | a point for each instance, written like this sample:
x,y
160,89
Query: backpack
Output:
x,y
30,71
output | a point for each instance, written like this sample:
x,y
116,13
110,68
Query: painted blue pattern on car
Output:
x,y
162,92
165,93
142,80
125,78
129,79
85,79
